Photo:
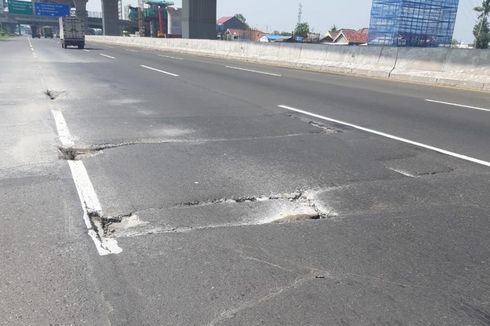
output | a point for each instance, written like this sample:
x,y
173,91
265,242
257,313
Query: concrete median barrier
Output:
x,y
468,69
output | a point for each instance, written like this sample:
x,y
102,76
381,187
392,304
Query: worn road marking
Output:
x,y
32,48
170,57
459,105
158,70
130,50
254,71
86,50
107,56
382,134
86,192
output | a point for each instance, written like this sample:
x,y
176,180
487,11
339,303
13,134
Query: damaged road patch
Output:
x,y
298,207
75,154
53,95
324,129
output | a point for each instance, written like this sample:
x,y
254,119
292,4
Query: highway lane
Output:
x,y
46,263
197,165
395,108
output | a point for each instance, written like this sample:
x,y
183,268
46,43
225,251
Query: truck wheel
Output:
x,y
81,46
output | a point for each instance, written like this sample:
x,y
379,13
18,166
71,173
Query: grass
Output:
x,y
4,36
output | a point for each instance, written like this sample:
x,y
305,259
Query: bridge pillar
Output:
x,y
110,17
81,12
199,19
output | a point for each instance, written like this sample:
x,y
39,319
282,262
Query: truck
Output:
x,y
48,32
71,32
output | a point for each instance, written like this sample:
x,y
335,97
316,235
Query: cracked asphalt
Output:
x,y
228,209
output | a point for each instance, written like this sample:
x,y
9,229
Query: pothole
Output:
x,y
324,129
289,208
76,154
297,218
53,95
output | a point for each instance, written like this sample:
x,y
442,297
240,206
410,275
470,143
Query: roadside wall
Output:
x,y
461,68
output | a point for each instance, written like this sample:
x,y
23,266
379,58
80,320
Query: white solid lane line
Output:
x,y
158,70
170,57
382,134
254,71
458,105
86,192
107,56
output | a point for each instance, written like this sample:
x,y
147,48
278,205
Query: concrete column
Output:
x,y
174,21
199,19
81,12
110,17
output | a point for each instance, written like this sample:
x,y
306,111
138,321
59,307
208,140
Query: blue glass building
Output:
x,y
421,23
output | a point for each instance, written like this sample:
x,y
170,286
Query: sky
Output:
x,y
282,15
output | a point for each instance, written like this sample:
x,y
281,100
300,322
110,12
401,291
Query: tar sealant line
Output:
x,y
458,105
254,71
86,192
382,134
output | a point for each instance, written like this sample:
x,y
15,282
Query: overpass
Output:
x,y
93,21
198,18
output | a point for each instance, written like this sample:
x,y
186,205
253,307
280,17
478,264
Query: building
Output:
x,y
232,22
420,23
272,38
330,37
346,36
243,35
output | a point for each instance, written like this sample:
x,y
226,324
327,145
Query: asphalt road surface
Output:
x,y
142,187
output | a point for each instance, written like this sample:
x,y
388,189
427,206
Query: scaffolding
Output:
x,y
419,23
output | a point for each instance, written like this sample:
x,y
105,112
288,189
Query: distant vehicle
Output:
x,y
35,32
48,32
71,32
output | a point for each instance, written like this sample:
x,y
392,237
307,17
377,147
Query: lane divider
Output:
x,y
158,70
382,134
254,71
86,192
458,105
107,56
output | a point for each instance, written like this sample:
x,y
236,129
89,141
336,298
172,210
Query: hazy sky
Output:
x,y
270,15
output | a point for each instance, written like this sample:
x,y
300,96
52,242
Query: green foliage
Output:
x,y
3,33
333,29
242,18
276,32
481,31
302,29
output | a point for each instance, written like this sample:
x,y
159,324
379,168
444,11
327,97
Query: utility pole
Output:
x,y
300,13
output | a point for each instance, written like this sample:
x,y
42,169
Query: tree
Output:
x,y
242,18
481,31
302,29
333,29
